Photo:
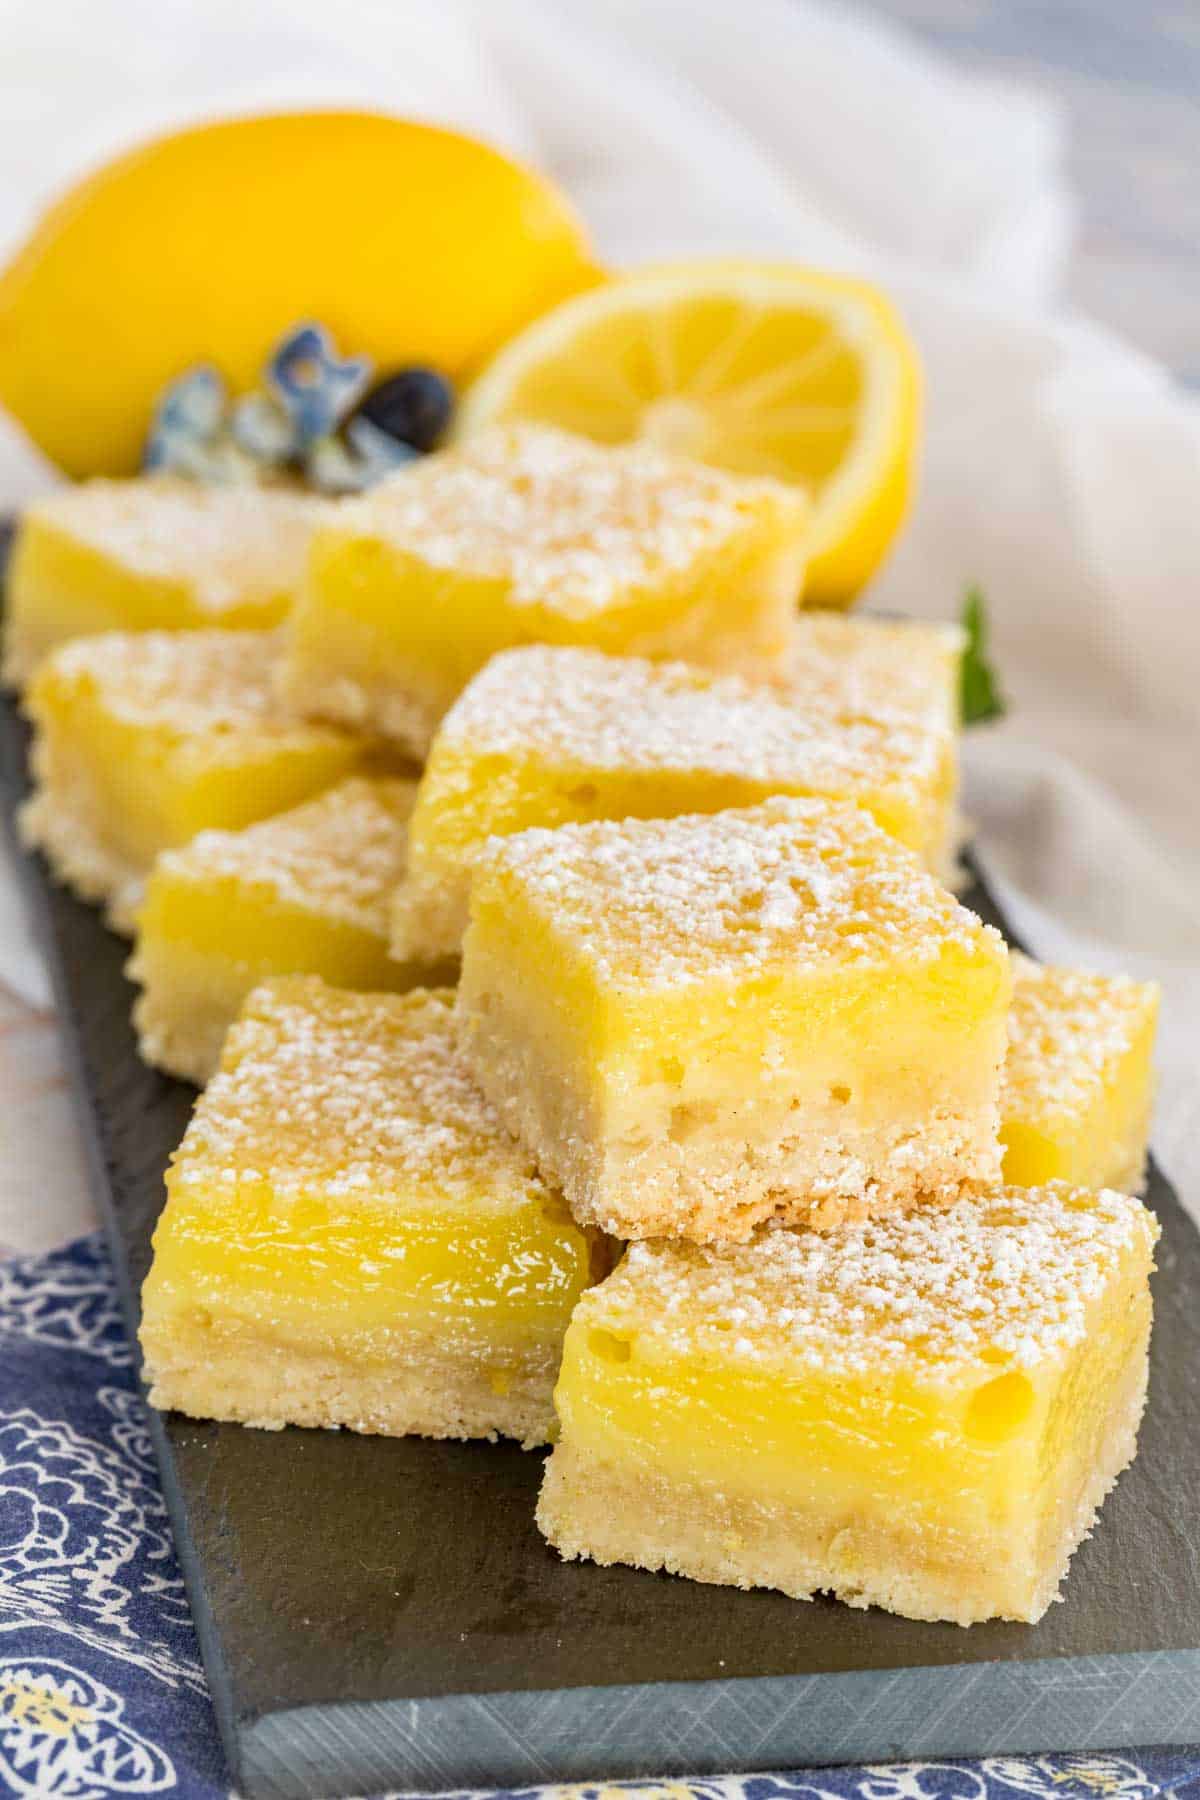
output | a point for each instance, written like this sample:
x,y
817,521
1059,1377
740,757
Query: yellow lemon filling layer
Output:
x,y
311,1269
965,1457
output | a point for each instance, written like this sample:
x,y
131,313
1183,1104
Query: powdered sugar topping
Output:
x,y
339,856
659,903
625,713
228,546
903,671
351,1097
1067,1032
1007,1279
569,525
189,683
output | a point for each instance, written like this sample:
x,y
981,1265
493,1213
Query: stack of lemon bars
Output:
x,y
593,1050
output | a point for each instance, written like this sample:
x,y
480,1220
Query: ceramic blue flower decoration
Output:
x,y
309,391
315,387
264,431
187,432
301,423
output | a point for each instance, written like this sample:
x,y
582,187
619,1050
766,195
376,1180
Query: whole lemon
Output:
x,y
411,243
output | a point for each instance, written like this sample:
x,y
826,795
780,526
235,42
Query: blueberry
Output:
x,y
414,405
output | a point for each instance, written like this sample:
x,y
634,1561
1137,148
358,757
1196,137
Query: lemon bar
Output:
x,y
151,554
305,892
903,670
696,1024
142,739
351,1238
1079,1079
527,535
903,677
546,736
922,1413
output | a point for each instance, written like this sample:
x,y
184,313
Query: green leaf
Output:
x,y
980,692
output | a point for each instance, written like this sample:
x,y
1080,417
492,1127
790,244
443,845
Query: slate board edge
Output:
x,y
449,1742
595,1735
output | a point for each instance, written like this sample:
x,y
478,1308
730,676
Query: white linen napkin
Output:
x,y
1061,468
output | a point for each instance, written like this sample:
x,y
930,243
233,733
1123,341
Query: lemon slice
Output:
x,y
763,369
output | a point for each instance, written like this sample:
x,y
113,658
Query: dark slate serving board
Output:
x,y
382,1613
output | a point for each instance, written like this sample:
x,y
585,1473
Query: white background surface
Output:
x,y
1061,467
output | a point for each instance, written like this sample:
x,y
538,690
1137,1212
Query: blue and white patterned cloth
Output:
x,y
101,1689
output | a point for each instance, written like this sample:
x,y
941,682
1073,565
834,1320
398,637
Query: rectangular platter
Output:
x,y
378,1613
